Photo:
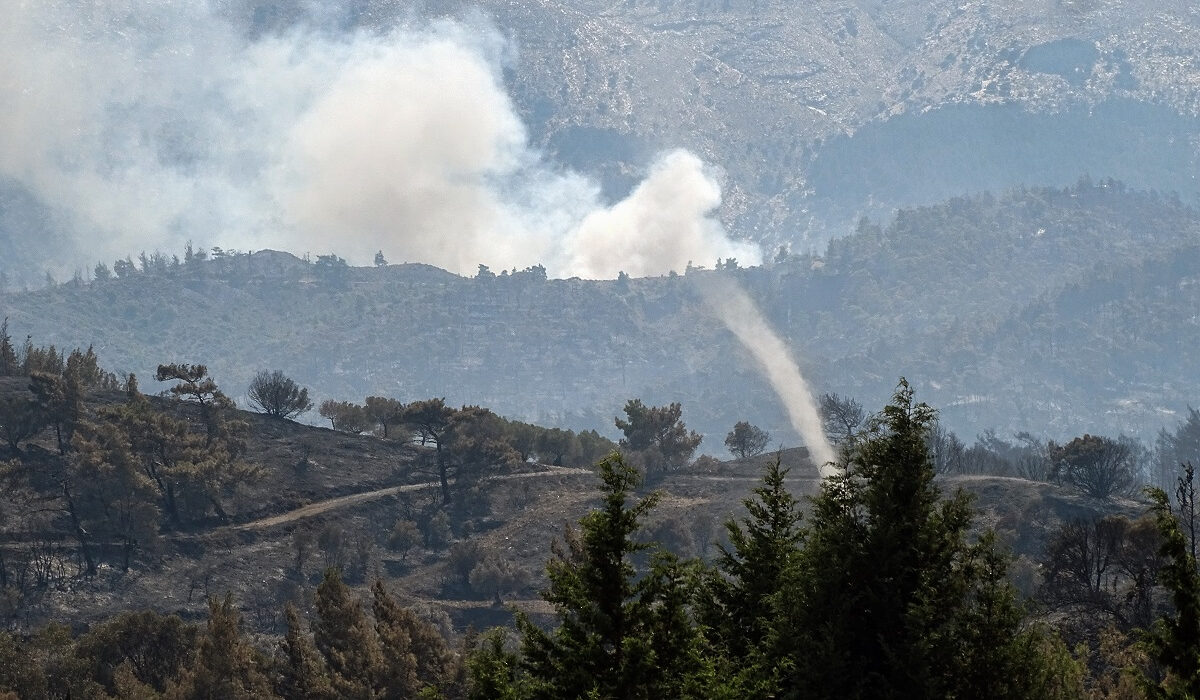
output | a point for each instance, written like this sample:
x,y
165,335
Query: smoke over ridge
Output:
x,y
741,316
151,122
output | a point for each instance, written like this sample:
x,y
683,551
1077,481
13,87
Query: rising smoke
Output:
x,y
741,316
148,123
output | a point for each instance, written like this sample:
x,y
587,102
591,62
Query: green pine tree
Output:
x,y
345,637
620,635
10,364
888,597
739,609
750,571
492,669
1174,642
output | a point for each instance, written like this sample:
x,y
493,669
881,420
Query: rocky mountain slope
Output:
x,y
794,101
817,113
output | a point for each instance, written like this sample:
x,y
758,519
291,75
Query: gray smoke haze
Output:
x,y
741,316
148,123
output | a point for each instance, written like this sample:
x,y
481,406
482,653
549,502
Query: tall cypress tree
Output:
x,y
414,654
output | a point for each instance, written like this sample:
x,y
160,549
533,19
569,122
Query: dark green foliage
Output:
x,y
46,360
429,419
84,369
404,537
21,674
191,471
415,656
888,597
1174,641
345,416
749,573
10,366
522,437
58,399
492,669
565,448
619,634
118,502
476,445
333,271
469,443
278,395
385,413
747,440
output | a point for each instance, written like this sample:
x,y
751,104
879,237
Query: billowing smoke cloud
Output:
x,y
665,222
738,312
149,123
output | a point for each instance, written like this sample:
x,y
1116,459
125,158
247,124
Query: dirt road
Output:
x,y
313,509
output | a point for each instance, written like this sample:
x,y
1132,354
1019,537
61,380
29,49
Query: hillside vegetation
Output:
x,y
1037,310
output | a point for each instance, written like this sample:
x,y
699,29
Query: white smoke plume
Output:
x,y
151,122
741,316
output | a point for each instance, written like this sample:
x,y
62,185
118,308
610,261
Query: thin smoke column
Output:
x,y
741,316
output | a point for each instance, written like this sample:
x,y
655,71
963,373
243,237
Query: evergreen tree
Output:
x,y
189,471
10,365
302,672
60,401
153,648
384,412
887,596
119,501
226,665
1174,642
619,635
657,435
346,639
399,668
415,656
740,607
492,669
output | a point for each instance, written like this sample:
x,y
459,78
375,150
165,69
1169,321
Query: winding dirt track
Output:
x,y
325,506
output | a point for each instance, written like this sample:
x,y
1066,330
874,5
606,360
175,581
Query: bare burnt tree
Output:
x,y
841,416
278,395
